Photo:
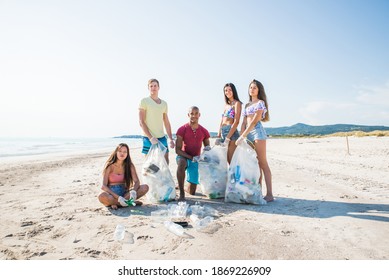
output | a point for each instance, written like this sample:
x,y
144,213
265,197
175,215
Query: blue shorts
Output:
x,y
118,189
192,170
147,144
226,129
258,133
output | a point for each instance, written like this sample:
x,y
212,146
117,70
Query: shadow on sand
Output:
x,y
281,206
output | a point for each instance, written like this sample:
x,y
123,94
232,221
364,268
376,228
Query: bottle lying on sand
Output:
x,y
200,224
120,230
174,228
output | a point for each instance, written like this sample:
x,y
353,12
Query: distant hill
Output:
x,y
304,129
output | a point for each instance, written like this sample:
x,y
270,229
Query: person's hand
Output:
x,y
196,159
207,148
172,145
240,140
218,141
122,201
154,140
226,142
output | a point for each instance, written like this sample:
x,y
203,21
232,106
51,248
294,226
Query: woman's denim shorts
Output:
x,y
258,133
226,129
118,189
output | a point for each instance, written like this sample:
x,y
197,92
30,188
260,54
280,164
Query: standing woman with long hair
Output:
x,y
254,113
228,130
119,178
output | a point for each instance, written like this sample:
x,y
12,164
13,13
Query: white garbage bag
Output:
x,y
243,176
213,172
156,174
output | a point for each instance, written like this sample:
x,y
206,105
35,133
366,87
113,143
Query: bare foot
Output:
x,y
181,198
269,198
114,207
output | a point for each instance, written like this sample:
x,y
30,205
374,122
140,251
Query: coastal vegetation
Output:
x,y
304,130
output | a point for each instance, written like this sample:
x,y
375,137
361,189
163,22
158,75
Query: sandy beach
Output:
x,y
330,205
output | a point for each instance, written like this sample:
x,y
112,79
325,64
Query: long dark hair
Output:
x,y
234,93
127,163
261,96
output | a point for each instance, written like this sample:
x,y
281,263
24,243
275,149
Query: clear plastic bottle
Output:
x,y
182,209
197,209
194,219
209,211
174,228
120,230
203,223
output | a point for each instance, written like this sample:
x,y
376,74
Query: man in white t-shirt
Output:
x,y
153,118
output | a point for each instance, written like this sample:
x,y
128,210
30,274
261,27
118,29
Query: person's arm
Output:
x,y
168,128
105,186
142,122
257,117
179,151
244,124
135,178
206,143
219,133
234,127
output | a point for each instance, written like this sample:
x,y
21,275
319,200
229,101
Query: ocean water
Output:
x,y
18,147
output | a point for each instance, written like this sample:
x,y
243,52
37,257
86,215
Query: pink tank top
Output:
x,y
116,179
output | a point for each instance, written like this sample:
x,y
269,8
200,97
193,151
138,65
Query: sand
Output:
x,y
330,205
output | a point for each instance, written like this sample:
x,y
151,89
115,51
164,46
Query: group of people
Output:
x,y
119,175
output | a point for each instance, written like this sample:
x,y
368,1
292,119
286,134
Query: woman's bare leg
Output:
x,y
260,148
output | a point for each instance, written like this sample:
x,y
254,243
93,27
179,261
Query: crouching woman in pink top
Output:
x,y
120,178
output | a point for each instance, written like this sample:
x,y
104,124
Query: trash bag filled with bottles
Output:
x,y
156,174
213,172
243,176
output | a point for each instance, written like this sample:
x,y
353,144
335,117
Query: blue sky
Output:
x,y
80,68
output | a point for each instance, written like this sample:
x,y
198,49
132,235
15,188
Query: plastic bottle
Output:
x,y
131,201
237,173
174,228
120,230
232,178
209,211
182,208
194,218
203,223
167,195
